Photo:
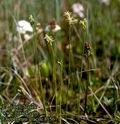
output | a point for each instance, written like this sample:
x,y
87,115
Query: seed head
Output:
x,y
70,18
84,23
87,49
32,20
49,39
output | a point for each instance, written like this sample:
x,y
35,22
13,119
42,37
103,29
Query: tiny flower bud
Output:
x,y
32,20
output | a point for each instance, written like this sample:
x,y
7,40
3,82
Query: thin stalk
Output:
x,y
35,53
23,52
53,60
42,94
87,84
37,71
88,61
89,33
54,75
61,82
57,5
69,68
70,64
78,99
20,38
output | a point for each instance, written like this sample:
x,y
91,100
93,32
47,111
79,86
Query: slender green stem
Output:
x,y
69,68
57,3
61,82
53,59
87,84
42,94
35,57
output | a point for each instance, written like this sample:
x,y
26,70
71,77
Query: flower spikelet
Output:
x,y
49,39
83,23
70,18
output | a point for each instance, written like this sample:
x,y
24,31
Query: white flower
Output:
x,y
27,37
23,27
81,14
106,2
57,28
52,27
48,28
78,9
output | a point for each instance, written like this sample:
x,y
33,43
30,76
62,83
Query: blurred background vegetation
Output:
x,y
61,77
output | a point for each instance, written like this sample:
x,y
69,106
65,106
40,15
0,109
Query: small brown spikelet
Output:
x,y
87,49
87,45
52,24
